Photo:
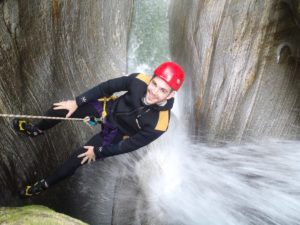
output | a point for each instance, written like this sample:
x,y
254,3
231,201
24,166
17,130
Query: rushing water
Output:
x,y
185,182
254,183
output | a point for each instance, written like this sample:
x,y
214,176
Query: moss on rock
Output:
x,y
34,215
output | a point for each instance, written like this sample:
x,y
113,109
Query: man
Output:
x,y
133,120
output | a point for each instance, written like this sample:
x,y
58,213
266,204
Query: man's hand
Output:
x,y
88,156
69,105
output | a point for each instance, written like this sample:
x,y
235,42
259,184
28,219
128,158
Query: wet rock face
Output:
x,y
242,63
52,51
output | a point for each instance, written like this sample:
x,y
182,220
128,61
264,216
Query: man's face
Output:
x,y
158,91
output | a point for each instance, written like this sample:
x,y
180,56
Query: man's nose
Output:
x,y
155,90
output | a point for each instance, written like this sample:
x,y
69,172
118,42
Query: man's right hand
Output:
x,y
69,105
88,156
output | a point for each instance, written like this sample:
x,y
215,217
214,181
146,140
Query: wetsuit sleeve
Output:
x,y
105,89
135,142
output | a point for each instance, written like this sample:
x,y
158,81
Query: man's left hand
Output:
x,y
88,156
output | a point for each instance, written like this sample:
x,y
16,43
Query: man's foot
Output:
x,y
35,189
25,127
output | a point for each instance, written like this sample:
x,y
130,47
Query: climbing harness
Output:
x,y
92,120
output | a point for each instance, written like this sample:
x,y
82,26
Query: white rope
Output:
x,y
40,117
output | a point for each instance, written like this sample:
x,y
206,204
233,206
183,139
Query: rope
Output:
x,y
40,117
86,119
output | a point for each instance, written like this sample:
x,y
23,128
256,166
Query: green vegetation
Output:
x,y
34,215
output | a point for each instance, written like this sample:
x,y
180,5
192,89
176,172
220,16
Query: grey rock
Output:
x,y
230,52
52,51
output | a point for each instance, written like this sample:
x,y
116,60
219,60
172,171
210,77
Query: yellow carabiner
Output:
x,y
104,100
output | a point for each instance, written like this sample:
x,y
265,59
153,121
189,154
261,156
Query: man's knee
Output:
x,y
79,151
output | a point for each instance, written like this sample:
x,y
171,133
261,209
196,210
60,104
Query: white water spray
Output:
x,y
187,183
192,183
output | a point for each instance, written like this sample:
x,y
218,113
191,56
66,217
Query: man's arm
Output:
x,y
140,139
105,89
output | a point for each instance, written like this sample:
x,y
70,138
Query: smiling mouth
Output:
x,y
151,96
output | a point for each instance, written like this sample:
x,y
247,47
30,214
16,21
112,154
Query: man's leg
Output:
x,y
66,170
33,130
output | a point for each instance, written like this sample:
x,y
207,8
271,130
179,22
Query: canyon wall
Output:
x,y
242,65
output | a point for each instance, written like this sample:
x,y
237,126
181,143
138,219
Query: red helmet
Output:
x,y
171,73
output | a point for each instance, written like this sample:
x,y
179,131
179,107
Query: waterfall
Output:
x,y
187,182
149,36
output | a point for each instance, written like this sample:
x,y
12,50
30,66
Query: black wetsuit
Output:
x,y
129,125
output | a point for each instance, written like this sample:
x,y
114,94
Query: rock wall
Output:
x,y
52,51
242,62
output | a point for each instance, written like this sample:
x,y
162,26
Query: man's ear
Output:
x,y
171,95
